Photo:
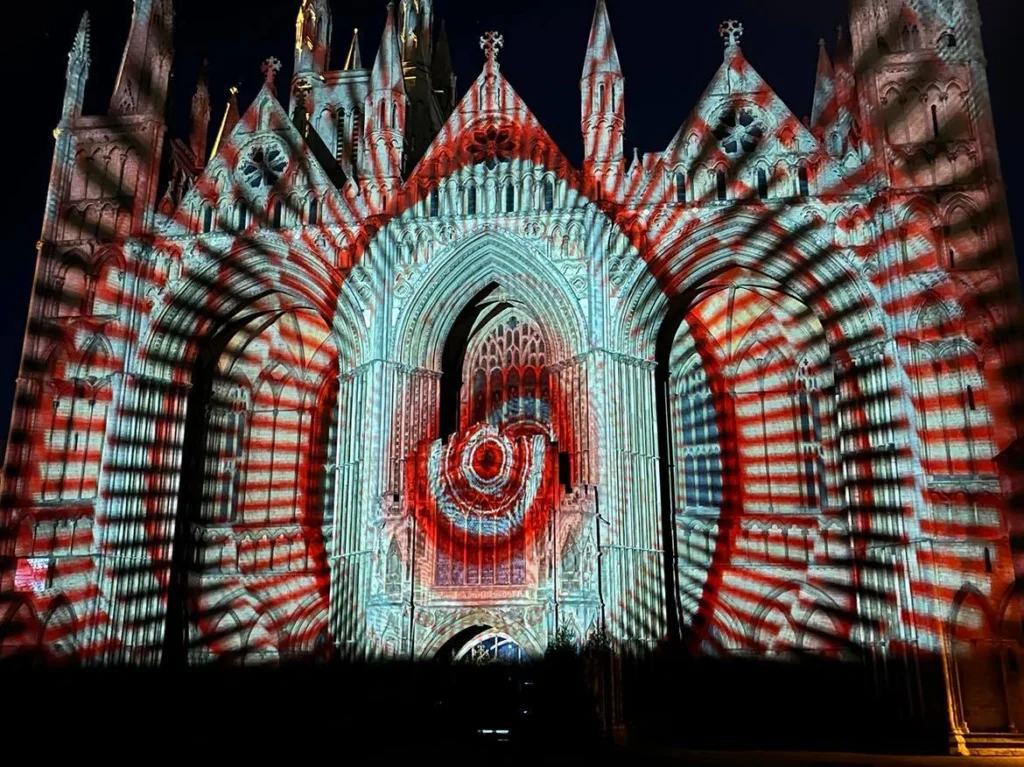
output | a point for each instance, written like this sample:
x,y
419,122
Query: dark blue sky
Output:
x,y
668,50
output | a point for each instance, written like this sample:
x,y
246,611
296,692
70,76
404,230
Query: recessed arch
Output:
x,y
470,267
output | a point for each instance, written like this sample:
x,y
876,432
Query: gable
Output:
x,y
265,158
489,126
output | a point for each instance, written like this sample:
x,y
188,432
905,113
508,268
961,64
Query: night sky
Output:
x,y
669,50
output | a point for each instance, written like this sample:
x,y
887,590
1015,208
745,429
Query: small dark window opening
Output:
x,y
208,220
241,215
471,201
722,189
802,176
600,98
549,195
935,120
510,199
988,560
314,210
883,46
435,202
382,123
950,40
564,472
680,187
278,214
970,398
762,183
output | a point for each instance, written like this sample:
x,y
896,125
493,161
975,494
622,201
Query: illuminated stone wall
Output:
x,y
384,376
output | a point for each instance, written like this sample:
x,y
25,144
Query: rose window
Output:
x,y
738,131
492,145
264,167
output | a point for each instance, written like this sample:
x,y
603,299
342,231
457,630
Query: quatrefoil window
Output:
x,y
264,167
738,131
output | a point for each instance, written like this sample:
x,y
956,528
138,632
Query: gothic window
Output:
x,y
510,198
802,180
947,40
394,115
435,201
935,120
393,569
339,134
738,132
107,288
921,240
549,194
73,290
264,167
504,371
762,183
73,444
964,238
314,211
381,115
357,125
241,215
471,200
721,185
207,219
680,187
278,214
600,97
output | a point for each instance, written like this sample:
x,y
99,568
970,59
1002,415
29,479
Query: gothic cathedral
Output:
x,y
379,374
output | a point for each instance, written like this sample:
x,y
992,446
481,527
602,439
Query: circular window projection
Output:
x,y
264,167
738,132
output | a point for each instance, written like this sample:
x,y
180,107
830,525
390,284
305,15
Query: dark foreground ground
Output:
x,y
436,714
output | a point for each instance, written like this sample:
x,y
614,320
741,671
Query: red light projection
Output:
x,y
362,385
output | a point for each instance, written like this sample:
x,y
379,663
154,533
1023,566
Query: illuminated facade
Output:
x,y
382,375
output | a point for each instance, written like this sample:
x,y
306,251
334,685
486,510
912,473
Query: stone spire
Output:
x,y
200,116
354,60
602,108
602,55
824,88
78,71
442,73
141,86
388,73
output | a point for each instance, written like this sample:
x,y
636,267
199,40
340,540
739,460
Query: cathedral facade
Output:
x,y
379,374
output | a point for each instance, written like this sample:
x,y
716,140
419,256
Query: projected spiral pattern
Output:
x,y
486,482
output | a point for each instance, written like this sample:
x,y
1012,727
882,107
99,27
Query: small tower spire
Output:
x,y
200,116
313,37
602,56
823,107
78,71
388,73
602,106
142,80
354,60
385,105
441,71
